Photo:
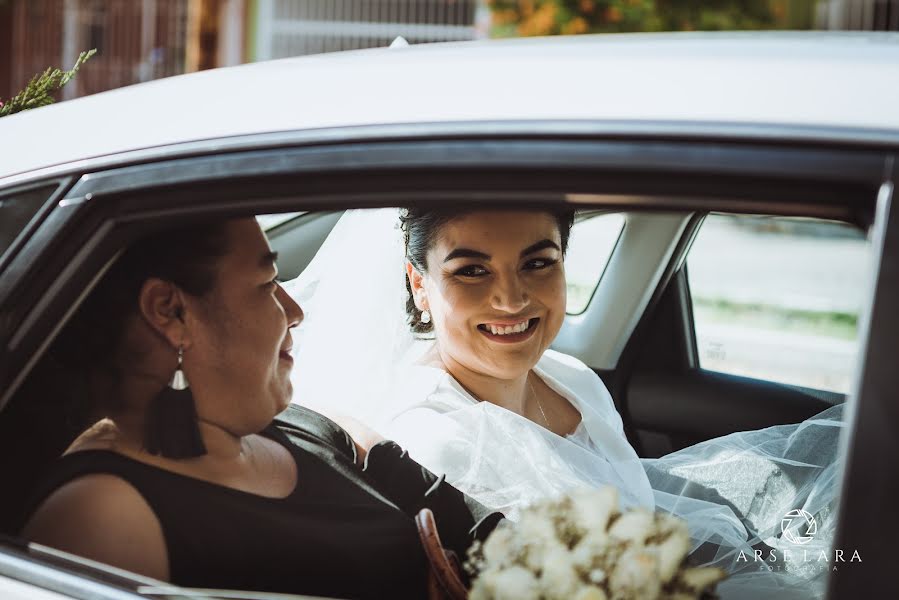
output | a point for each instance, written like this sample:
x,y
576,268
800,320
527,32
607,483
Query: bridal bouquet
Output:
x,y
581,547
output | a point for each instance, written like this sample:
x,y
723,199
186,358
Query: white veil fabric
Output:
x,y
760,477
354,337
356,355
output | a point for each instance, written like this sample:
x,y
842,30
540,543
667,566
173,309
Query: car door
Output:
x,y
105,209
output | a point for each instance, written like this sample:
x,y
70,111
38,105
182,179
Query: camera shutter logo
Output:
x,y
798,526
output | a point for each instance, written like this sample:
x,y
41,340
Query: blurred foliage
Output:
x,y
566,17
835,324
39,91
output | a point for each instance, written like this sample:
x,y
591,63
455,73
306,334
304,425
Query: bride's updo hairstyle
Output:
x,y
421,226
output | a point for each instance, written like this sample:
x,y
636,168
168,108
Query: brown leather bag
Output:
x,y
445,572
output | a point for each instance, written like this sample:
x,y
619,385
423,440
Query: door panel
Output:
x,y
674,411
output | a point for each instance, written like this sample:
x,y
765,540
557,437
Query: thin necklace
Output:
x,y
539,405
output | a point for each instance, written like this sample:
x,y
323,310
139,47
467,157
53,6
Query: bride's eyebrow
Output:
x,y
466,253
469,253
541,245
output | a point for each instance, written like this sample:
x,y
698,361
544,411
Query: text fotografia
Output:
x,y
822,558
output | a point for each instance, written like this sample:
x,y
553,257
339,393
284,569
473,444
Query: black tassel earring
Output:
x,y
172,428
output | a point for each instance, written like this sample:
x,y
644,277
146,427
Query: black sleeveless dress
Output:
x,y
344,532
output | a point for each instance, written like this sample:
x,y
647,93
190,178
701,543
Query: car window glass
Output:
x,y
17,209
591,244
268,222
779,298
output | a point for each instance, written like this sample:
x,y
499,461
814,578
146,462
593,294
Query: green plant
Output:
x,y
566,17
39,91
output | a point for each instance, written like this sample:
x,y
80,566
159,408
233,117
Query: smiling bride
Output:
x,y
434,327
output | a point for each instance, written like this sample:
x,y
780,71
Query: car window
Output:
x,y
779,298
268,222
592,241
17,209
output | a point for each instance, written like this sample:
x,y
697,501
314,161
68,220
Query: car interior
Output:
x,y
651,366
636,330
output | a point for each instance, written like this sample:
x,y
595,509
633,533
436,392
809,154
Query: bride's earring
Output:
x,y
425,317
172,429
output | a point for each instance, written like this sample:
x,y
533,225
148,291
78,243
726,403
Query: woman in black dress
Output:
x,y
205,487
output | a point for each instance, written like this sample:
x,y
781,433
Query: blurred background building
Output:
x,y
140,40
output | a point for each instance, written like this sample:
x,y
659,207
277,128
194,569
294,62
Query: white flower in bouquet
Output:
x,y
582,547
558,576
509,583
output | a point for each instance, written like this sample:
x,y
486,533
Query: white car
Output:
x,y
762,150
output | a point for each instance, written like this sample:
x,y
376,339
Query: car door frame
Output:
x,y
871,445
105,209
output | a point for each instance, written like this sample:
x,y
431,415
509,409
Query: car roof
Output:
x,y
817,79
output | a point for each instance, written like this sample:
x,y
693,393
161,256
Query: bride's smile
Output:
x,y
506,332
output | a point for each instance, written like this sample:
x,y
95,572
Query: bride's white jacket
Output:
x,y
504,460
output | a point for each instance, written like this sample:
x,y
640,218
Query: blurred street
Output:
x,y
808,290
803,271
773,299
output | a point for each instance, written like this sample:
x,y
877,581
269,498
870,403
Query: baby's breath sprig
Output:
x,y
39,91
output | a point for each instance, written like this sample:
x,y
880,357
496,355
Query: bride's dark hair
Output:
x,y
421,226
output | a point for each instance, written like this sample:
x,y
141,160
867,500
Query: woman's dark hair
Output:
x,y
78,376
421,226
90,343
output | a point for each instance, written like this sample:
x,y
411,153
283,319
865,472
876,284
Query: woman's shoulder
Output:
x,y
297,417
303,422
427,387
428,414
81,516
